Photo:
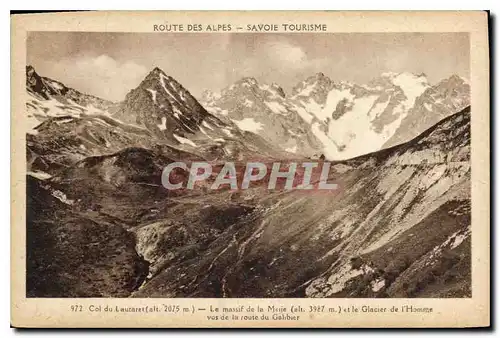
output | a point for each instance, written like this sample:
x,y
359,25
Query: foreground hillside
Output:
x,y
399,226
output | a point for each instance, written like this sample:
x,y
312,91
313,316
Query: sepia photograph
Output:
x,y
252,164
109,111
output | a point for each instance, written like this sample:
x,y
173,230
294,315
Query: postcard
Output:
x,y
250,169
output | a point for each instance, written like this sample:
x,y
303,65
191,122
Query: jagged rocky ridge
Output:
x,y
340,119
99,223
67,126
265,111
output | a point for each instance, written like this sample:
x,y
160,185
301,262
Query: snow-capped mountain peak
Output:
x,y
352,119
263,109
315,84
453,81
209,96
160,101
434,104
48,98
248,82
278,89
412,85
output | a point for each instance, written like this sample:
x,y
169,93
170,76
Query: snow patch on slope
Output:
x,y
249,124
183,140
163,124
353,131
153,94
338,281
412,85
276,107
332,100
62,197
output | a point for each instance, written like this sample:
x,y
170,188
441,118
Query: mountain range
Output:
x,y
100,224
340,119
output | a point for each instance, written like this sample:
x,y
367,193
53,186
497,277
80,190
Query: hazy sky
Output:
x,y
110,64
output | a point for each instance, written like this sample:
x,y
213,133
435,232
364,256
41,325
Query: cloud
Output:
x,y
101,76
109,77
286,55
283,52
